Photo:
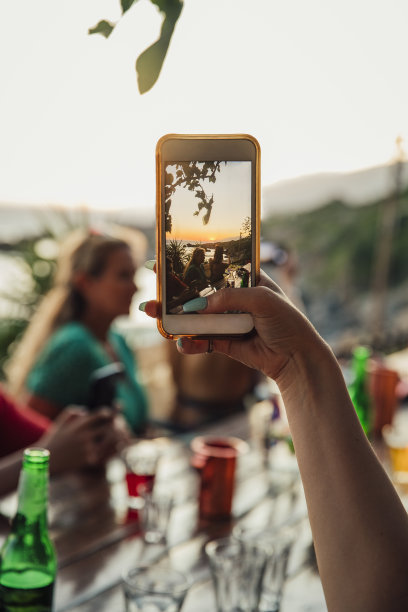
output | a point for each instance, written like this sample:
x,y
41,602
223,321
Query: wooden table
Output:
x,y
97,539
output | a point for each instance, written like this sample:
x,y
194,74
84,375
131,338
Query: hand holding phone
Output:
x,y
207,229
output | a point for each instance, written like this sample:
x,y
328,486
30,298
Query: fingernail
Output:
x,y
150,263
180,342
197,304
142,306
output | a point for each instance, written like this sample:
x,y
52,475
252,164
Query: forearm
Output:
x,y
359,526
43,406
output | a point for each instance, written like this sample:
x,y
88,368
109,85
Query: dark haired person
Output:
x,y
75,440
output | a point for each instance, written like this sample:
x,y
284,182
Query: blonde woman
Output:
x,y
71,334
194,274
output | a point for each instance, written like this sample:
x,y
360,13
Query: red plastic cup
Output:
x,y
215,458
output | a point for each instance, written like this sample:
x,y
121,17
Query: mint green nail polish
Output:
x,y
142,306
197,304
180,342
150,263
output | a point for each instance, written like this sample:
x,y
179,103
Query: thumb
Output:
x,y
256,301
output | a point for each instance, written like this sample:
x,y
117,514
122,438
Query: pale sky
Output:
x,y
320,83
232,204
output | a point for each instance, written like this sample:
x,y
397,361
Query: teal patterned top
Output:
x,y
63,370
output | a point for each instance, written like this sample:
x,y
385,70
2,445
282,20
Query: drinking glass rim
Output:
x,y
276,539
178,589
211,546
223,447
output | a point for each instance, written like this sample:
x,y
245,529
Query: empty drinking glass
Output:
x,y
237,573
278,546
155,516
155,589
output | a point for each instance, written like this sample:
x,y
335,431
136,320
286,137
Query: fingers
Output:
x,y
78,438
152,309
102,445
150,264
255,300
190,346
244,350
69,414
101,418
187,346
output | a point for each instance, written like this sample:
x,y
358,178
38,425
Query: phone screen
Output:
x,y
208,229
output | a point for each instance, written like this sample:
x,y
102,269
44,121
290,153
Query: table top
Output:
x,y
98,539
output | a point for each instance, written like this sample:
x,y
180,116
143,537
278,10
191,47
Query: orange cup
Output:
x,y
215,458
383,383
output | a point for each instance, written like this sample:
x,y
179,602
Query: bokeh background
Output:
x,y
320,84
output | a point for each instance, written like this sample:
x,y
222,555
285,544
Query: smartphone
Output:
x,y
102,390
207,228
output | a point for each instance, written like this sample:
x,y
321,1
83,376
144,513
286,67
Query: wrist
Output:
x,y
308,369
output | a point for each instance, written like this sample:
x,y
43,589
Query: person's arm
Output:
x,y
359,525
43,406
19,426
76,439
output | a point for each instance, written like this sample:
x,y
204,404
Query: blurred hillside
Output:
x,y
336,249
335,241
315,190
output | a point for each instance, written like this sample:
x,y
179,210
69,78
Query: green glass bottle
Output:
x,y
245,279
27,561
359,389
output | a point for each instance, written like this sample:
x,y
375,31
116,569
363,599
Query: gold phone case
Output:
x,y
160,259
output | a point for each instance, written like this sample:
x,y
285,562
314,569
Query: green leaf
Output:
x,y
103,27
150,62
164,5
126,4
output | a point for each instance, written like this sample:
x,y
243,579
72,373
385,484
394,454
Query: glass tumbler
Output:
x,y
156,589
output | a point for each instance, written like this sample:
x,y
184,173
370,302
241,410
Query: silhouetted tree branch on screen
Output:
x,y
191,174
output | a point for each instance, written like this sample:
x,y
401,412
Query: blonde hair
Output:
x,y
218,254
82,252
194,259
